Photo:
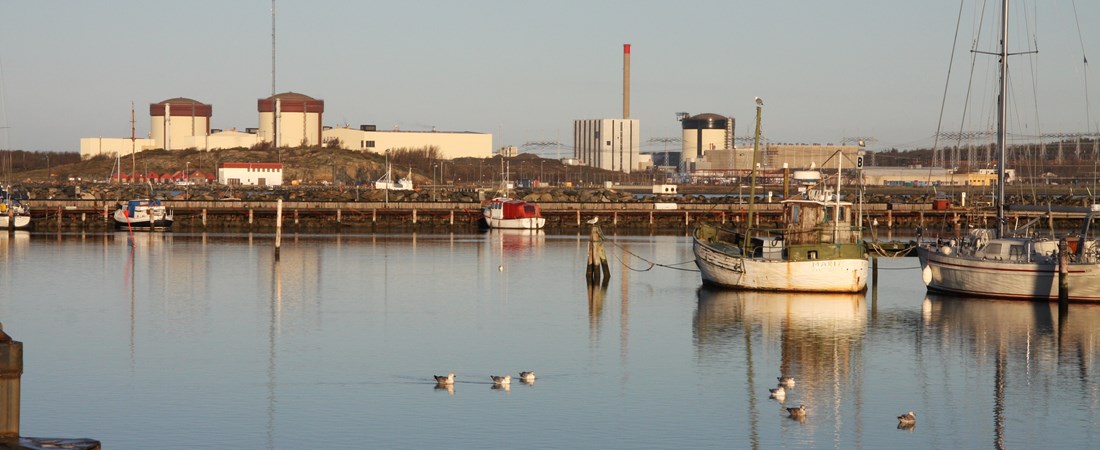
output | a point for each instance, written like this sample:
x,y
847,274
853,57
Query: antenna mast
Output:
x,y
273,47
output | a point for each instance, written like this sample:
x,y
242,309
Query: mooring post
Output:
x,y
578,217
278,226
250,216
295,217
452,217
106,214
11,370
58,218
1063,272
651,218
374,215
204,217
687,219
414,215
597,259
615,218
874,278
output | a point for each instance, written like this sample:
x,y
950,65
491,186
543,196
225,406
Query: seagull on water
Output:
x,y
593,220
778,392
527,377
786,381
908,418
449,379
504,380
797,413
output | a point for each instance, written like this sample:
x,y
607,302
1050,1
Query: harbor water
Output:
x,y
206,340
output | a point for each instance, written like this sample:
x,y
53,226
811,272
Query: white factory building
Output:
x,y
285,120
250,174
610,144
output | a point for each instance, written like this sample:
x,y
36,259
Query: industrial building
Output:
x,y
450,145
288,119
611,144
250,174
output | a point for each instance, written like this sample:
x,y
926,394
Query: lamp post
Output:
x,y
187,171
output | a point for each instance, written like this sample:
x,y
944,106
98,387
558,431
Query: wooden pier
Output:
x,y
261,215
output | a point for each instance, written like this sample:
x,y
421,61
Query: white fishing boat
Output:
x,y
1013,264
143,214
510,213
13,213
818,250
387,182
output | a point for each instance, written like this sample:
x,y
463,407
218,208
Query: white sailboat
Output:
x,y
818,250
13,213
991,263
386,181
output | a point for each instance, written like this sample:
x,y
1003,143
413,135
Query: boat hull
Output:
x,y
721,268
526,223
959,275
20,222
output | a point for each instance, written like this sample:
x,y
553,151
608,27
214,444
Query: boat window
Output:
x,y
1016,251
992,249
794,213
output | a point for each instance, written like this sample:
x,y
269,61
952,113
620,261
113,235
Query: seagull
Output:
x,y
593,220
449,379
500,268
797,413
778,392
504,380
759,101
786,381
527,377
908,418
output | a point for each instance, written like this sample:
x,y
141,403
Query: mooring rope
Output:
x,y
652,264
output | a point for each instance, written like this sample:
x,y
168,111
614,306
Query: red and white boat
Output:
x,y
503,212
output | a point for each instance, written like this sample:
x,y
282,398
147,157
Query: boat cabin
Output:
x,y
514,209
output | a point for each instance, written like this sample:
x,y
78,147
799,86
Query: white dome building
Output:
x,y
290,120
178,120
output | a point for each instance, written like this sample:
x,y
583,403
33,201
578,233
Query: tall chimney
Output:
x,y
626,81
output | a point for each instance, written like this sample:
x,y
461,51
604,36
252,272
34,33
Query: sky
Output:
x,y
525,70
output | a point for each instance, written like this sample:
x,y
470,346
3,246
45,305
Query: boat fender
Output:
x,y
946,250
926,275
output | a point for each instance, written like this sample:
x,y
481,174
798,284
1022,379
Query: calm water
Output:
x,y
203,340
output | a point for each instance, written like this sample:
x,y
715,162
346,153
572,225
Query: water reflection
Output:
x,y
1029,344
819,338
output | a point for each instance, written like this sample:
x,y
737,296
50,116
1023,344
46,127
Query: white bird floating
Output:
x,y
507,379
778,392
908,418
786,381
527,377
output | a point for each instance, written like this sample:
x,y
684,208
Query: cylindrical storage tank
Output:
x,y
290,120
703,132
176,121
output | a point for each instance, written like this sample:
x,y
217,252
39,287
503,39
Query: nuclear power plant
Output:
x,y
611,144
288,119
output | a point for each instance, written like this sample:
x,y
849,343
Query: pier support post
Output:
x,y
578,217
11,371
687,218
597,259
59,219
106,214
250,216
414,215
651,218
374,215
1063,272
452,217
278,226
615,218
339,218
295,217
204,217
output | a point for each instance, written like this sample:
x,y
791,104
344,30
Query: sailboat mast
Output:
x,y
836,205
1002,108
752,185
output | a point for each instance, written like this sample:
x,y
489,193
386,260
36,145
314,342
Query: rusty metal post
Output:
x,y
11,371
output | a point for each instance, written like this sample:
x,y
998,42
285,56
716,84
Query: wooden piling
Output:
x,y
296,217
597,259
11,372
414,215
374,215
59,219
250,216
452,217
1063,272
278,226
339,218
204,217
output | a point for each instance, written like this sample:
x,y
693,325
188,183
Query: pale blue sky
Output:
x,y
524,70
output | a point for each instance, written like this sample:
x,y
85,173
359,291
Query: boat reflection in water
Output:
x,y
519,239
1007,347
817,338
